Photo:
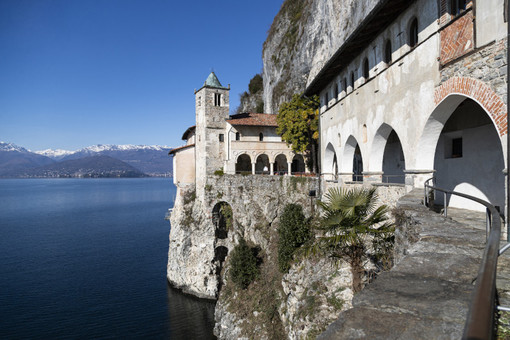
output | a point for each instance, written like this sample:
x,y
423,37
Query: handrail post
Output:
x,y
426,195
488,221
445,207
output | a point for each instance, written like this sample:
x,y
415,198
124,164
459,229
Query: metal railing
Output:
x,y
480,322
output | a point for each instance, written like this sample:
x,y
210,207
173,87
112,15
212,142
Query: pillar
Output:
x,y
289,168
271,168
253,168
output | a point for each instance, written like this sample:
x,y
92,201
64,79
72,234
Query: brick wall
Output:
x,y
457,38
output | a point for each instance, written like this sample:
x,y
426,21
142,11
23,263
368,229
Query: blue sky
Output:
x,y
76,73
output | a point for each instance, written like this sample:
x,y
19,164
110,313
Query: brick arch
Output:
x,y
481,93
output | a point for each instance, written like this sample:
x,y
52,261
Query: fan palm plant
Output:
x,y
350,215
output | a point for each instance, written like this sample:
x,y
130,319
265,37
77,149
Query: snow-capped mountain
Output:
x,y
149,159
55,154
14,158
4,146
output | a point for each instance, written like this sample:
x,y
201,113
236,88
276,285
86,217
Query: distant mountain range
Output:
x,y
94,161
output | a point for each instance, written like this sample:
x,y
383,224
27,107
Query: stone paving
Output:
x,y
426,294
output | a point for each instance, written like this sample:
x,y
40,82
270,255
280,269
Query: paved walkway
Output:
x,y
427,293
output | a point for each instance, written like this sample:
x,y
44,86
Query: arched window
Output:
x,y
413,33
366,69
261,137
387,52
326,99
217,99
352,80
344,85
336,91
238,136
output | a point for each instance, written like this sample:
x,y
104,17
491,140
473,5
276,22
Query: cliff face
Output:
x,y
303,36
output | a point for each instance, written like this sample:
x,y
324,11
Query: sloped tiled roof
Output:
x,y
253,119
173,151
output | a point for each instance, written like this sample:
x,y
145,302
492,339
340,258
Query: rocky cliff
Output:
x,y
303,36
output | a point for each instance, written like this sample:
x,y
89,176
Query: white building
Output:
x,y
419,90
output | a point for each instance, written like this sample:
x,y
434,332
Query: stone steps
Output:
x,y
426,295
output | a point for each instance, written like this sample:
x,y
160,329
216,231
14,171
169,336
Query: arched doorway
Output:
x,y
357,165
262,165
469,157
243,164
352,160
387,155
298,165
393,160
280,165
330,162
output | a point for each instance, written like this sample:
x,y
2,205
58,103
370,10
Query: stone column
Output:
x,y
415,178
289,168
372,176
271,168
253,168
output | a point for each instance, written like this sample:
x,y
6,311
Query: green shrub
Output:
x,y
243,265
219,172
256,84
294,230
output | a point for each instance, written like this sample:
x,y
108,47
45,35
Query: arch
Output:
x,y
378,146
329,160
261,137
447,97
352,80
223,219
238,136
298,164
352,159
479,92
280,164
262,164
468,156
243,163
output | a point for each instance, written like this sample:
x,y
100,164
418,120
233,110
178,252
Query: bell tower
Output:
x,y
211,111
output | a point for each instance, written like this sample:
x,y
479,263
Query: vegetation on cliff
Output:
x,y
298,123
252,101
243,265
293,232
350,216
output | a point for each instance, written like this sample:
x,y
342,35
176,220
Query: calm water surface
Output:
x,y
86,258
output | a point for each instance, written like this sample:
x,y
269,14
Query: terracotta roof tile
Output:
x,y
253,119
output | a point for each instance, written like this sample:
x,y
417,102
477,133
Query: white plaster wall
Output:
x,y
184,166
479,172
400,95
490,23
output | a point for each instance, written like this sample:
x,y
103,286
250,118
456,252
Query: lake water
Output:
x,y
86,258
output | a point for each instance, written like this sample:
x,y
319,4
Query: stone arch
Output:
x,y
348,153
447,98
243,163
387,155
280,164
262,164
479,92
223,219
329,160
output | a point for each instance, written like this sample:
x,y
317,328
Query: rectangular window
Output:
x,y
456,147
222,137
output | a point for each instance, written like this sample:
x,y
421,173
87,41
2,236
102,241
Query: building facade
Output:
x,y
245,143
418,91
